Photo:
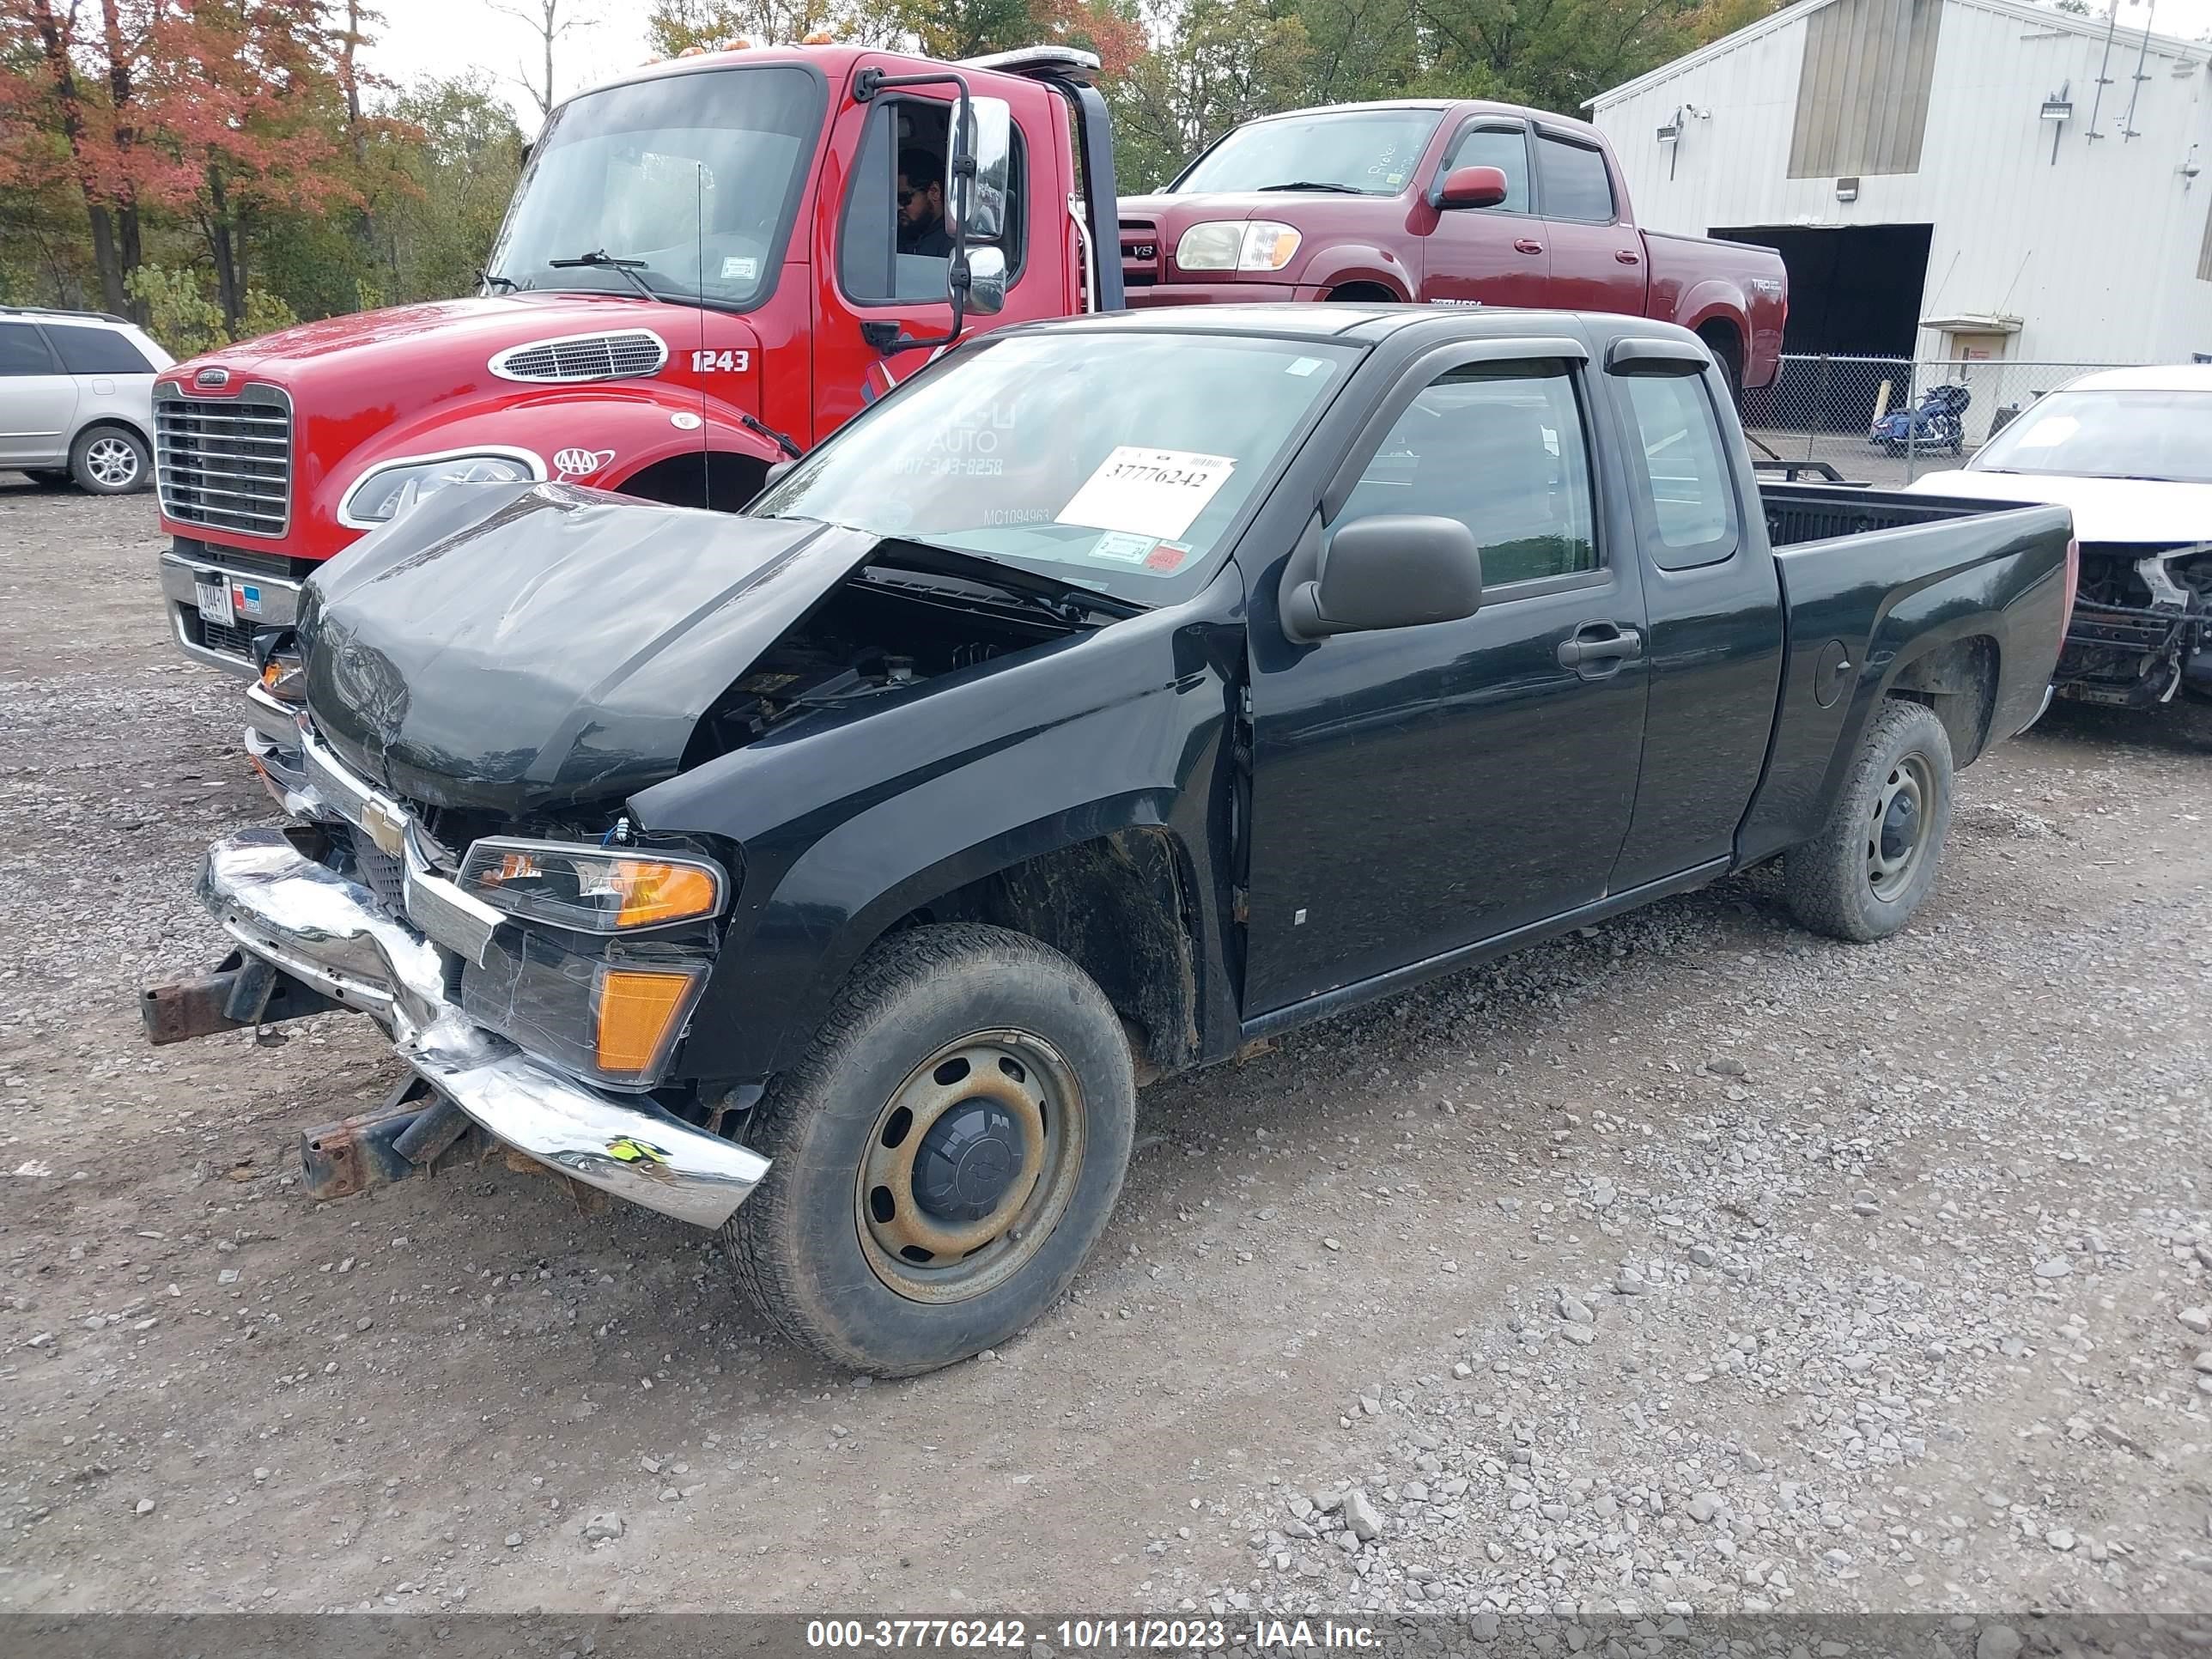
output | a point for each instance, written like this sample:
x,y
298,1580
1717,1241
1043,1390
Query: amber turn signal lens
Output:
x,y
638,1012
663,892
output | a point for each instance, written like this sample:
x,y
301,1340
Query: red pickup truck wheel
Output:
x,y
1875,859
945,1155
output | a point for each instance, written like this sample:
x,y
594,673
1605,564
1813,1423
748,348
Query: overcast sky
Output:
x,y
446,36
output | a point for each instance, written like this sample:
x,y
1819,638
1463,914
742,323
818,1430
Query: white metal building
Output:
x,y
1945,178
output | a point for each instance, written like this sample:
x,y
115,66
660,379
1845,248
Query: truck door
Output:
x,y
1417,789
884,257
38,402
1713,606
1597,256
1486,256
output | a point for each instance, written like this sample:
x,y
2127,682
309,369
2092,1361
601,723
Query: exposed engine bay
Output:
x,y
2142,624
883,631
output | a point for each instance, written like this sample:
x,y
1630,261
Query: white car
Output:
x,y
76,399
2130,450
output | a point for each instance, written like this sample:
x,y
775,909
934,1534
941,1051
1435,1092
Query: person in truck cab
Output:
x,y
921,206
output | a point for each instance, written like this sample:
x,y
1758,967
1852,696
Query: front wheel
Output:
x,y
109,461
943,1158
1875,859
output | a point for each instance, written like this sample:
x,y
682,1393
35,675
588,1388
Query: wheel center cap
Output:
x,y
1898,827
968,1161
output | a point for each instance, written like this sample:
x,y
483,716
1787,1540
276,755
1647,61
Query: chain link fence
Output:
x,y
1885,420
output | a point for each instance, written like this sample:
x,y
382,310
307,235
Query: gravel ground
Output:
x,y
1689,1265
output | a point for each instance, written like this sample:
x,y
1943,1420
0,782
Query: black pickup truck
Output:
x,y
1117,692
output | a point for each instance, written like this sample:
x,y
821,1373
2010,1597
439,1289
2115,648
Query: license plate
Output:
x,y
214,593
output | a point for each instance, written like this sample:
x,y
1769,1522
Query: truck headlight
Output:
x,y
590,889
381,495
1228,244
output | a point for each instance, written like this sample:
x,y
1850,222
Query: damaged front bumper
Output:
x,y
285,908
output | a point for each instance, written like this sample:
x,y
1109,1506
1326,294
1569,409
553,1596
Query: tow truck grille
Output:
x,y
225,463
627,355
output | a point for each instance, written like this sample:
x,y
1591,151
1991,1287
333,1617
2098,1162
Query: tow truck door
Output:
x,y
1417,789
866,284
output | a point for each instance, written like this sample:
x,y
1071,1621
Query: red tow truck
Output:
x,y
701,276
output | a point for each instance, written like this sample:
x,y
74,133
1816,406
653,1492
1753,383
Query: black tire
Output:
x,y
812,1245
111,460
1835,882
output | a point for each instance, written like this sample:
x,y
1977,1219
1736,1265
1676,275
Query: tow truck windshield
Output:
x,y
1119,465
694,176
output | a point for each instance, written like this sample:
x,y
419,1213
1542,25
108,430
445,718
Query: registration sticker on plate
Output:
x,y
214,593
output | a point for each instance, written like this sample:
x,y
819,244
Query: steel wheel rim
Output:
x,y
1015,1079
1897,828
111,461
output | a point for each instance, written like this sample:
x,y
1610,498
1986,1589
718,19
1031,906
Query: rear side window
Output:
x,y
1499,447
1576,184
96,350
1677,440
1505,148
22,352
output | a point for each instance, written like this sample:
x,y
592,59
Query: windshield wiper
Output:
x,y
1315,184
506,284
1067,601
600,259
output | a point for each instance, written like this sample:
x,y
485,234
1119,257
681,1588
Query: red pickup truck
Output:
x,y
1451,204
712,263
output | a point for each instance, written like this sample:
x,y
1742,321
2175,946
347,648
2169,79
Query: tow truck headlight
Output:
x,y
593,890
382,496
1228,244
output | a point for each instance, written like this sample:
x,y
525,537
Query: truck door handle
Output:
x,y
1626,257
1529,244
1600,648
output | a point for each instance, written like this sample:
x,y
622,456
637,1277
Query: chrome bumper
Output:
x,y
281,905
275,602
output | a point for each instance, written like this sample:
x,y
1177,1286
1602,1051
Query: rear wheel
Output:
x,y
944,1157
108,460
1875,859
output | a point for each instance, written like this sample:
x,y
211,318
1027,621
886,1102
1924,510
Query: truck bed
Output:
x,y
1869,575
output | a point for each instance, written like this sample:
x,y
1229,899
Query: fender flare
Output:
x,y
1716,298
1356,262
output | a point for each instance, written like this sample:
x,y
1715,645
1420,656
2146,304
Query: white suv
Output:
x,y
76,399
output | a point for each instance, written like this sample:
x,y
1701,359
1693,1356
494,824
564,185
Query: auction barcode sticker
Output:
x,y
1148,492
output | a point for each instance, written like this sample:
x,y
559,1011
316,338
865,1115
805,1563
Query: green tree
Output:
x,y
451,164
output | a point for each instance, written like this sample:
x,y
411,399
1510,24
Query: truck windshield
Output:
x,y
2160,435
1115,462
1372,151
696,175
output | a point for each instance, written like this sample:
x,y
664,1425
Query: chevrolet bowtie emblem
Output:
x,y
386,826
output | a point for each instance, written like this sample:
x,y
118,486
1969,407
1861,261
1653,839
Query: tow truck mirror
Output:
x,y
979,207
1390,570
986,281
1472,187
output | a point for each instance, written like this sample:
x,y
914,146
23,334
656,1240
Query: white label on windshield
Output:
x,y
740,270
1120,544
2049,432
1148,492
1304,366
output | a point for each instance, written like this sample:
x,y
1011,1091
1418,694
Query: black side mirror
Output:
x,y
1394,570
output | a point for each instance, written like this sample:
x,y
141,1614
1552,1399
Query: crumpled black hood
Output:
x,y
524,648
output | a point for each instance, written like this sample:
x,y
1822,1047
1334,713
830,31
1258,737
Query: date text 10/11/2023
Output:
x,y
1092,1635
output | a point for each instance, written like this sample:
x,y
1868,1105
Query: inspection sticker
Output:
x,y
1148,492
735,268
1122,547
